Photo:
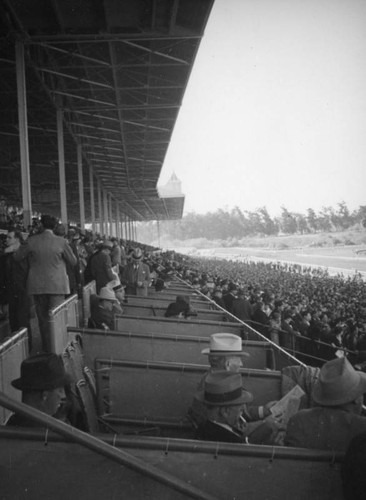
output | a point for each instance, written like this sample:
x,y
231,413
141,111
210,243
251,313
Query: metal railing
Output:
x,y
12,352
62,316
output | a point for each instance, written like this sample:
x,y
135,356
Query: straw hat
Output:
x,y
224,389
106,293
225,344
338,383
42,372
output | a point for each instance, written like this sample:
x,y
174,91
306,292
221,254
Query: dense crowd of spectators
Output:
x,y
306,311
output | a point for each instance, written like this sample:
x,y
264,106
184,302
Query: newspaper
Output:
x,y
288,405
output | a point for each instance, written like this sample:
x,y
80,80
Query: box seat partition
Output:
x,y
161,301
159,312
163,347
135,324
262,472
164,391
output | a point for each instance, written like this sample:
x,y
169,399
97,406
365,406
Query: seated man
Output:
x,y
225,354
102,310
181,308
331,425
225,400
42,380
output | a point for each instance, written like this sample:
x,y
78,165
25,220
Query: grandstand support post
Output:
x,y
105,212
100,208
23,134
158,228
110,215
126,231
61,164
136,230
130,229
92,202
81,186
118,232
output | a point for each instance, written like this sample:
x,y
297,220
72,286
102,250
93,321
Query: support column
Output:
x,y
81,187
23,135
92,202
130,229
110,215
127,229
61,164
100,208
105,212
118,228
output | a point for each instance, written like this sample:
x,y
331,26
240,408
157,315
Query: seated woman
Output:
x,y
181,308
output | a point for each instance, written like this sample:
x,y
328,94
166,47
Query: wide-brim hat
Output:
x,y
42,372
225,344
107,293
338,383
224,389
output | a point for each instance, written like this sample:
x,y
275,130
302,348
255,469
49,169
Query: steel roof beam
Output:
x,y
75,96
107,38
71,77
155,52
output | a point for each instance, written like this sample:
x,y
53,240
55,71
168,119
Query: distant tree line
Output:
x,y
235,223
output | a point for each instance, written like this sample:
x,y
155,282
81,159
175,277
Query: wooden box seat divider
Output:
x,y
203,328
164,391
163,301
164,347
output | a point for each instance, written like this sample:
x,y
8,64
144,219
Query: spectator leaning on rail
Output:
x,y
42,381
338,391
181,308
136,275
47,278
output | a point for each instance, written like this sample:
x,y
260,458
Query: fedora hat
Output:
x,y
107,244
136,254
224,389
224,344
338,383
106,293
42,372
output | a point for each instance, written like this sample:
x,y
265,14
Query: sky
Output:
x,y
274,113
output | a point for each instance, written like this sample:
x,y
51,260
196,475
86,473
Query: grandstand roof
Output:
x,y
118,69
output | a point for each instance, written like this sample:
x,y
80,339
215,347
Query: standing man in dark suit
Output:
x,y
136,275
47,278
101,265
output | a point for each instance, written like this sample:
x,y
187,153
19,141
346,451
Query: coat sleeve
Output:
x,y
22,252
69,255
294,433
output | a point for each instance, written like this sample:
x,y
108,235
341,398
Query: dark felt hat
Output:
x,y
224,389
41,373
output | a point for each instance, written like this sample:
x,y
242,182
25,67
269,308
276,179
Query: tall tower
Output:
x,y
172,188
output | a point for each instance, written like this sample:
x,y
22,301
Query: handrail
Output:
x,y
107,450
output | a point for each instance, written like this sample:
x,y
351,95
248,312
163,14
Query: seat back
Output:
x,y
164,391
164,347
